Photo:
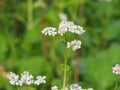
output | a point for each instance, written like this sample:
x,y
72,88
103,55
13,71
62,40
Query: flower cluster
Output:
x,y
75,44
51,31
26,79
69,26
63,16
72,87
64,26
116,69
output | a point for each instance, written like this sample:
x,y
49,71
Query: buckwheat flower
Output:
x,y
116,69
76,29
69,26
54,88
65,88
51,31
63,27
90,89
13,78
75,44
40,80
26,78
63,17
75,87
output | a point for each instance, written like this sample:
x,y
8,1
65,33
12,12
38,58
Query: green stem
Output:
x,y
116,84
30,17
65,67
18,88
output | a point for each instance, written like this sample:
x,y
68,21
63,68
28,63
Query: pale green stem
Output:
x,y
116,84
29,14
18,88
65,67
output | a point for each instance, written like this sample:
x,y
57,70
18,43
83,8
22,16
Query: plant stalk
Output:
x,y
30,16
116,85
65,67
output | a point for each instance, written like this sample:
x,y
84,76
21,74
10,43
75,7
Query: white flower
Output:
x,y
63,17
75,87
63,27
116,69
26,78
51,31
75,44
54,88
69,26
13,78
76,29
65,88
40,80
72,87
90,89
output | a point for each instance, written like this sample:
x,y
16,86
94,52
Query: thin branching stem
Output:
x,y
116,85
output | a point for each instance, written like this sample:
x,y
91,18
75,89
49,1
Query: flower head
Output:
x,y
26,78
63,17
40,80
76,29
75,44
63,27
116,69
51,31
72,87
13,78
54,88
69,26
90,89
75,87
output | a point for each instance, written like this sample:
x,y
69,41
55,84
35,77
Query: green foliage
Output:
x,y
23,47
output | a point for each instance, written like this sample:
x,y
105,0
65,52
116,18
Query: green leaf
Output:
x,y
62,67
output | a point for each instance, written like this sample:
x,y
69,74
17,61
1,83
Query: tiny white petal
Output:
x,y
116,69
75,44
51,31
54,88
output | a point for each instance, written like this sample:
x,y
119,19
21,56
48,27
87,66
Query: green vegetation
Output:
x,y
23,46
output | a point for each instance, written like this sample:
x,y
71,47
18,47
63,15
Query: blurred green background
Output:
x,y
23,47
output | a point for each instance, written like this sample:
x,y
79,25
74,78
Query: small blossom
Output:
x,y
51,31
63,17
75,44
13,78
26,78
63,27
116,69
75,87
76,29
69,26
72,87
65,88
40,80
54,88
90,89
